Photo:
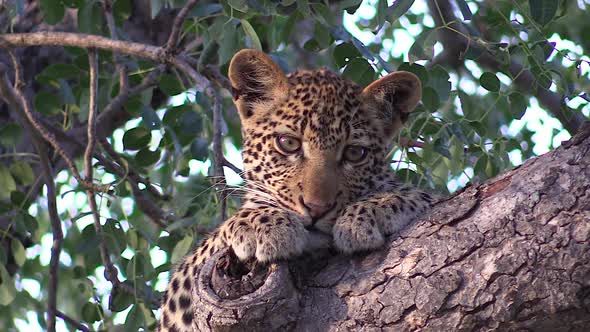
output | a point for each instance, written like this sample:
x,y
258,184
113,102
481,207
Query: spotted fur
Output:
x,y
291,196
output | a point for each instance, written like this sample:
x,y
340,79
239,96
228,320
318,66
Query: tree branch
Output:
x,y
72,322
47,38
177,25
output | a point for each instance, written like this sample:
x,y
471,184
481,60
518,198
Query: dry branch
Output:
x,y
511,254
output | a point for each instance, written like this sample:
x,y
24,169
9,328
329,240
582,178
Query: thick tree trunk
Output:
x,y
512,254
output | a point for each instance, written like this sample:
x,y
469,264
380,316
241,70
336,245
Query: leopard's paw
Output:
x,y
357,230
279,236
242,238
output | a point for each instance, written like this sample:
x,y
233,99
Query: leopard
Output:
x,y
315,156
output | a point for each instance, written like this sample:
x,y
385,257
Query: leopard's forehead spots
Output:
x,y
321,107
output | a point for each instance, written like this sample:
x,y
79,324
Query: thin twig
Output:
x,y
231,166
107,6
177,25
18,71
57,232
218,158
142,199
410,143
111,273
72,322
92,110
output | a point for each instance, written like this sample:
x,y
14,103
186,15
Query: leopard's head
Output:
x,y
314,141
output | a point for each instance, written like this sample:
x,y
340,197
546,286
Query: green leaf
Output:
x,y
7,182
490,81
543,11
181,249
91,312
7,289
22,172
423,47
121,10
53,11
47,103
518,105
322,14
397,9
150,118
439,81
228,43
139,267
136,138
90,18
417,70
114,236
312,45
430,99
170,85
192,123
10,134
200,149
251,33
360,71
58,71
135,319
202,10
303,7
145,157
18,252
120,300
343,53
240,5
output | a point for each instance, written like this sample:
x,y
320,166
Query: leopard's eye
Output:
x,y
288,144
354,153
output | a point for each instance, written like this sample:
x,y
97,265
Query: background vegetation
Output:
x,y
110,152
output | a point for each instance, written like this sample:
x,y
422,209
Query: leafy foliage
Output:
x,y
474,122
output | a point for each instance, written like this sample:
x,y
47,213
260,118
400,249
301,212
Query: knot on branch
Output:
x,y
263,300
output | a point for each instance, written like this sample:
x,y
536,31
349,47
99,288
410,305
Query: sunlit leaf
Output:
x,y
251,33
18,252
7,182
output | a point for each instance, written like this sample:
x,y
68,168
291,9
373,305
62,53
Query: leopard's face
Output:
x,y
313,141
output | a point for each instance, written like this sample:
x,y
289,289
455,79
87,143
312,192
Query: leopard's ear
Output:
x,y
396,96
256,81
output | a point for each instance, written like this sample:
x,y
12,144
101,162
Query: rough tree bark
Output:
x,y
511,254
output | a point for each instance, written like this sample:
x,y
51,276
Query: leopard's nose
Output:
x,y
317,209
